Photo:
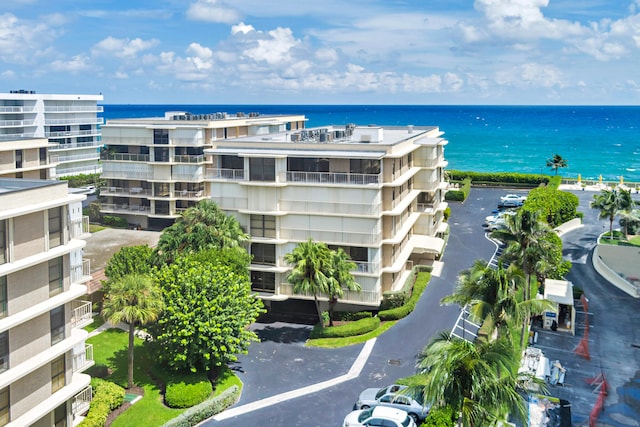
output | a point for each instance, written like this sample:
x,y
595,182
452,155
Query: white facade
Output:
x,y
69,122
156,167
42,282
376,192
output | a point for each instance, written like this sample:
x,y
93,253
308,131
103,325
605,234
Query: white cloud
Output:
x,y
8,74
276,49
120,75
74,65
530,75
242,28
21,42
122,48
212,11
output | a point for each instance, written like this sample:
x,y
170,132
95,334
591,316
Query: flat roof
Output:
x,y
11,185
560,291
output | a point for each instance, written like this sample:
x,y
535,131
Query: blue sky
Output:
x,y
325,51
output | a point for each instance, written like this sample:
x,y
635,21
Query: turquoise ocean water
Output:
x,y
595,140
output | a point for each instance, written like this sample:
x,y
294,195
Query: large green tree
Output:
x,y
136,300
610,203
209,306
556,207
477,380
340,278
312,269
201,227
128,260
556,162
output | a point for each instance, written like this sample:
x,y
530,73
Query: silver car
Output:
x,y
393,396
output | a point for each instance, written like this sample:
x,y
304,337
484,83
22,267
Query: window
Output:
x,y
4,407
57,324
3,242
43,155
55,227
263,226
161,154
263,254
4,351
19,154
231,162
55,276
57,374
161,136
262,169
263,281
60,416
3,296
365,166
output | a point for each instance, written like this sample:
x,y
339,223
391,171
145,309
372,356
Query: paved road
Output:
x,y
281,363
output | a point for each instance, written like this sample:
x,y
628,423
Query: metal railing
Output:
x,y
14,123
89,169
81,273
16,109
79,227
124,208
83,359
75,121
89,156
189,159
128,191
220,173
366,267
73,145
81,402
333,178
124,157
63,134
370,297
185,194
80,313
426,207
187,176
72,108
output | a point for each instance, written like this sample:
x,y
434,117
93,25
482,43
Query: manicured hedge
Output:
x,y
185,394
359,327
107,396
206,409
398,313
556,207
461,194
500,178
114,221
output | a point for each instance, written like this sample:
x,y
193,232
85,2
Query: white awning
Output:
x,y
560,291
422,244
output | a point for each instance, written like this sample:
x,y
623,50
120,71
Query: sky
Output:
x,y
425,52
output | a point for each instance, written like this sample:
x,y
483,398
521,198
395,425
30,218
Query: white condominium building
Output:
x,y
27,158
377,192
69,122
42,275
155,167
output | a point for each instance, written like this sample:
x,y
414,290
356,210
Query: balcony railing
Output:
x,y
328,236
124,157
15,123
366,297
16,109
81,273
81,313
124,208
330,207
81,402
193,176
426,207
79,227
366,267
88,169
184,194
83,359
75,121
333,178
219,173
74,108
73,145
128,191
89,156
110,172
189,159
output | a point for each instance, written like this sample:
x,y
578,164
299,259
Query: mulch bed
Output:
x,y
112,416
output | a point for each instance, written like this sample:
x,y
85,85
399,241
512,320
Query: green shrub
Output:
x,y
359,327
556,207
94,212
439,417
107,396
115,221
81,180
398,313
206,409
500,178
447,214
454,196
349,316
185,394
395,299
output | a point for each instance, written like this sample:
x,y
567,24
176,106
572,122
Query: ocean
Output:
x,y
594,140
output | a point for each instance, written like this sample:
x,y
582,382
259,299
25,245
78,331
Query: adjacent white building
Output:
x,y
377,192
42,285
69,122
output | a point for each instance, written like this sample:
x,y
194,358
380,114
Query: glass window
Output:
x,y
3,296
55,227
57,324
43,155
55,276
60,416
3,242
263,253
4,351
161,136
231,162
4,407
262,169
263,281
19,154
263,226
57,374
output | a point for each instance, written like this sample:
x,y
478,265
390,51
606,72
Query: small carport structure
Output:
x,y
563,318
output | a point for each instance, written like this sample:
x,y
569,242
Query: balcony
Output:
x,y
328,236
83,359
17,109
15,123
366,267
124,157
81,313
73,145
339,178
74,109
124,208
81,402
78,157
79,227
362,297
125,191
184,194
138,171
88,169
81,273
318,206
224,174
189,159
75,121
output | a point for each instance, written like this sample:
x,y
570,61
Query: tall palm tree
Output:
x,y
557,162
311,272
340,279
201,227
477,380
134,299
611,203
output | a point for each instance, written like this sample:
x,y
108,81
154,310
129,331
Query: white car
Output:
x,y
513,198
496,216
379,416
90,189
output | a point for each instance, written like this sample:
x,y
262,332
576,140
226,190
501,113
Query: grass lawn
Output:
x,y
342,342
94,228
110,349
97,322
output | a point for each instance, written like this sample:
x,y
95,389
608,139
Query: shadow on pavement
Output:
x,y
283,334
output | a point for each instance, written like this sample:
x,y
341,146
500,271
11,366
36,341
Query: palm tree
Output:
x,y
134,299
611,203
477,380
201,227
340,279
312,266
557,162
